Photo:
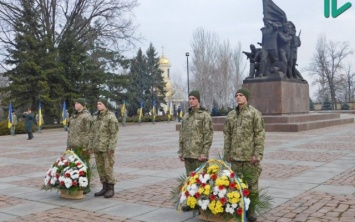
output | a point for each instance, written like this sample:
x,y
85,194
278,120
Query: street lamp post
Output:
x,y
188,83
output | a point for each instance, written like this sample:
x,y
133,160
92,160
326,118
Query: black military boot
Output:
x,y
103,191
110,191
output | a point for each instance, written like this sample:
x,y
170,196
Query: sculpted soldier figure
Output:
x,y
292,61
284,40
269,43
254,57
103,142
244,135
196,134
78,135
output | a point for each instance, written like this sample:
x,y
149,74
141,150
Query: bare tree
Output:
x,y
216,68
347,84
327,64
239,66
179,85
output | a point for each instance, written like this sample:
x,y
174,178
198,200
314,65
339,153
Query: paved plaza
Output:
x,y
310,175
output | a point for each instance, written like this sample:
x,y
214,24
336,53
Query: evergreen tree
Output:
x,y
146,82
326,105
156,79
311,105
345,106
27,59
138,90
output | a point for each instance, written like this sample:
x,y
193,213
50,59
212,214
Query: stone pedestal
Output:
x,y
285,107
279,97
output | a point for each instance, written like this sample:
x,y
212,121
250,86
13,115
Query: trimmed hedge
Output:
x,y
146,119
20,128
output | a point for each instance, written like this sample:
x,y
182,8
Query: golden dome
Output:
x,y
163,60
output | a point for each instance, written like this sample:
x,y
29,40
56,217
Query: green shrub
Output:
x,y
20,128
311,105
345,106
326,105
224,111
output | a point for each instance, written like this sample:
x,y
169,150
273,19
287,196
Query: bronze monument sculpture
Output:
x,y
277,58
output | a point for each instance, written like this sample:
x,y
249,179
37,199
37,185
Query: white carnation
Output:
x,y
74,174
83,181
68,182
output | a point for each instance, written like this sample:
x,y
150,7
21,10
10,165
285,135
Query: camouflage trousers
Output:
x,y
12,130
191,165
104,164
124,118
253,171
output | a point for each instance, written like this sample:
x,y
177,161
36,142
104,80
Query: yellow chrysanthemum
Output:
x,y
212,206
201,190
216,207
233,197
219,207
213,169
192,180
191,202
244,186
222,181
207,190
183,189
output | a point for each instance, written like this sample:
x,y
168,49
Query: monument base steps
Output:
x,y
292,122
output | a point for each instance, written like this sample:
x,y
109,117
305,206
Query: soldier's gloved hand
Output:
x,y
181,158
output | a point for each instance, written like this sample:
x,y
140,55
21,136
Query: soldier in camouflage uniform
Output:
x,y
244,135
196,134
78,135
104,141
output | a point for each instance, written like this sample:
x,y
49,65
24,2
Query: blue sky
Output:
x,y
171,23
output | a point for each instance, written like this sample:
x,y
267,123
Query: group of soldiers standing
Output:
x,y
96,135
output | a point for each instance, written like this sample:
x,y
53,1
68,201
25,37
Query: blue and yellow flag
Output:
x,y
140,112
123,107
169,112
39,114
181,110
64,114
9,122
154,110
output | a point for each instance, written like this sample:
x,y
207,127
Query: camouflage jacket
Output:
x,y
79,130
196,134
244,134
104,132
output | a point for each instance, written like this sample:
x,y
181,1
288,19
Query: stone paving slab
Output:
x,y
157,214
311,176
